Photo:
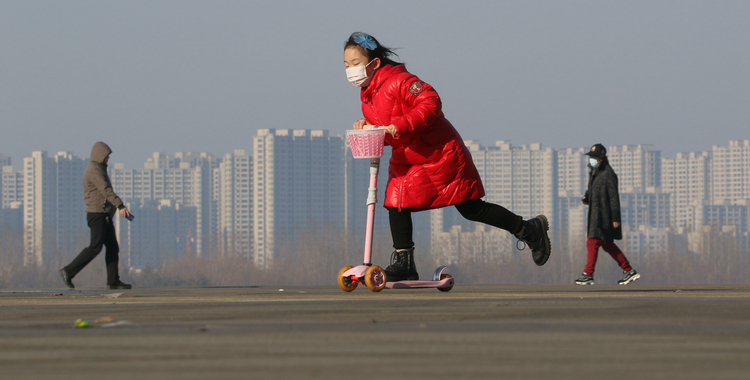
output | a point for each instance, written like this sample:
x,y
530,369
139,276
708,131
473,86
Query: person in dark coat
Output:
x,y
604,226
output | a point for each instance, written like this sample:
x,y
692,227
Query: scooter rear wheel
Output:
x,y
346,284
375,278
447,288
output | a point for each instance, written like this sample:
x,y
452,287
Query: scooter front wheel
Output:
x,y
375,278
346,284
447,288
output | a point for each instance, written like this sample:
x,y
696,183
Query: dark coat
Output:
x,y
603,199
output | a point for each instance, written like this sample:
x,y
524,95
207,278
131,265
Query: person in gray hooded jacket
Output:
x,y
101,205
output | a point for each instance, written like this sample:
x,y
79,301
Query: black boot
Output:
x,y
66,278
119,285
402,267
534,234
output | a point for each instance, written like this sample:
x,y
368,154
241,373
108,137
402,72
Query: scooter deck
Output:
x,y
444,283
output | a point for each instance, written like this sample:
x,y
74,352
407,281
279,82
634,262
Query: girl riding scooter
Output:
x,y
430,166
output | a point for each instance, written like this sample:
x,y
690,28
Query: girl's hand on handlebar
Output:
x,y
360,124
392,130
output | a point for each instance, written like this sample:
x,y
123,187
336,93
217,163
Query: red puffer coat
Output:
x,y
430,166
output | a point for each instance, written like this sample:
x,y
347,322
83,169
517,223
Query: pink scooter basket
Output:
x,y
366,143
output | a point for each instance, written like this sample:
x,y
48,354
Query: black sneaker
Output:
x,y
534,234
585,280
119,285
66,278
629,277
402,267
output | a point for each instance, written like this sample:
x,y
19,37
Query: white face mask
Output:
x,y
593,162
357,75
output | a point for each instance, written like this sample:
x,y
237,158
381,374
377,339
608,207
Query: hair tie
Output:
x,y
365,40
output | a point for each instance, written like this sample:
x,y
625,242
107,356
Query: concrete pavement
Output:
x,y
472,332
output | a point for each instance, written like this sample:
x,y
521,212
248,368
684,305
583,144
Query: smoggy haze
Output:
x,y
204,76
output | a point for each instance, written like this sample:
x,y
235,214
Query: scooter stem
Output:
x,y
372,199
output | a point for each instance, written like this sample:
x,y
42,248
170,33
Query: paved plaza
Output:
x,y
473,332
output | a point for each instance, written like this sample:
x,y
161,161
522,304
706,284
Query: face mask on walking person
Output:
x,y
357,75
593,162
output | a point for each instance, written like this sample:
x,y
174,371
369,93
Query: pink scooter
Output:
x,y
368,144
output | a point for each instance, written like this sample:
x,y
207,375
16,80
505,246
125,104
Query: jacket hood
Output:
x,y
99,152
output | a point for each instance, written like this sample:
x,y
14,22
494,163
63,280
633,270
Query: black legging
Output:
x,y
475,210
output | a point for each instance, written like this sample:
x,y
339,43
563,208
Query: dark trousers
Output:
x,y
475,210
593,245
102,234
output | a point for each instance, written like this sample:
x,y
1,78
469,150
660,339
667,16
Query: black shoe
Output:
x,y
402,267
66,278
629,277
585,280
534,234
119,285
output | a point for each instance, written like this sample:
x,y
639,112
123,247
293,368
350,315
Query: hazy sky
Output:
x,y
171,76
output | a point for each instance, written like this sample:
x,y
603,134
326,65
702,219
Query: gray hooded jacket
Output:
x,y
97,189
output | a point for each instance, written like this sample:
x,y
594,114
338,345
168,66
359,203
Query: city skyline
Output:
x,y
255,204
148,159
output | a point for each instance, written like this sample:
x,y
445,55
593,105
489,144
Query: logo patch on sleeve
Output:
x,y
416,88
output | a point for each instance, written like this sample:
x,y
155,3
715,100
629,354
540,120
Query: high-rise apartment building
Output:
x,y
54,219
11,221
720,229
572,182
207,206
164,230
298,180
731,173
184,178
724,215
11,205
11,186
40,202
638,167
233,192
522,179
687,178
11,233
644,241
572,172
645,209
571,225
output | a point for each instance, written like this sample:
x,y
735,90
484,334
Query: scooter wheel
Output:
x,y
375,278
447,288
346,284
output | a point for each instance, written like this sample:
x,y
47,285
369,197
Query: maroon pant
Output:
x,y
592,245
